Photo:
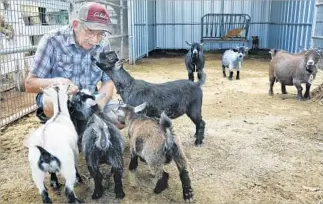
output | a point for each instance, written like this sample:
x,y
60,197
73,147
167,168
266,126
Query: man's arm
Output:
x,y
107,89
34,84
39,77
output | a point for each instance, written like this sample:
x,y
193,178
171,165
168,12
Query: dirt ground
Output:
x,y
257,148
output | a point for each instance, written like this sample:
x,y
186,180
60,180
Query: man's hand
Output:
x,y
73,88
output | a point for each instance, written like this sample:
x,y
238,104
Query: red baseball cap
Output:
x,y
94,16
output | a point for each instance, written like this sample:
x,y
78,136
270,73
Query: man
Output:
x,y
65,55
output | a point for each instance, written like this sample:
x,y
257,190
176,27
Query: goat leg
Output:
x,y
299,88
133,163
186,185
45,197
191,76
54,183
118,188
223,71
283,88
238,75
307,95
162,182
200,133
97,176
271,82
181,163
231,75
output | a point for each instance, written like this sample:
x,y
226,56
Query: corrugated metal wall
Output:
x,y
177,21
284,24
291,24
317,34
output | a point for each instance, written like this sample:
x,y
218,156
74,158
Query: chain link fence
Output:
x,y
22,24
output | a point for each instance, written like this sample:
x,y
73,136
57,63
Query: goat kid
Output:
x,y
175,97
53,147
153,141
195,61
102,142
233,59
293,70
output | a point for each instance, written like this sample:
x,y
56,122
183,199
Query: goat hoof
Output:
x,y
120,195
188,193
230,78
237,78
299,98
162,183
97,194
47,200
78,201
198,142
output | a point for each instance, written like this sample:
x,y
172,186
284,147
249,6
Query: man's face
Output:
x,y
87,38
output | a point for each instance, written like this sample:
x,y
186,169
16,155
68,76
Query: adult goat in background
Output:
x,y
294,70
195,61
174,97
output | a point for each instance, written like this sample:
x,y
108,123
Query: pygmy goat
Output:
x,y
175,97
294,70
195,61
102,142
53,147
232,59
154,142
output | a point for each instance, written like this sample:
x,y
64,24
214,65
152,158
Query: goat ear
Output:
x,y
91,102
237,47
140,107
246,48
188,43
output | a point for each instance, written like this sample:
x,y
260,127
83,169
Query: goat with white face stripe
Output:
x,y
233,59
195,61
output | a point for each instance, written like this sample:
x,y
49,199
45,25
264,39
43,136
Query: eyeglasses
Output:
x,y
92,33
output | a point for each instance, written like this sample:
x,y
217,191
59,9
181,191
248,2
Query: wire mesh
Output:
x,y
22,24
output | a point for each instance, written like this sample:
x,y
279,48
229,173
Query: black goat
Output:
x,y
102,142
195,61
175,97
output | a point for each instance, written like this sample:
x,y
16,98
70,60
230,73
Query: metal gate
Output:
x,y
22,24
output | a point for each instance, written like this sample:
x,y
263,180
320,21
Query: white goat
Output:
x,y
232,59
53,147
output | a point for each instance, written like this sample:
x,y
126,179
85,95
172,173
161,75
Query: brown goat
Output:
x,y
294,69
153,141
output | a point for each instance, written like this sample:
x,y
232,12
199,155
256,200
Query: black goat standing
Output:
x,y
195,61
175,97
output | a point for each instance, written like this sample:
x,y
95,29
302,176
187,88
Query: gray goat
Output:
x,y
102,142
175,97
195,61
294,69
154,142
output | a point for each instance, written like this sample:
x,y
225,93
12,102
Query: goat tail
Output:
x,y
167,126
47,161
202,80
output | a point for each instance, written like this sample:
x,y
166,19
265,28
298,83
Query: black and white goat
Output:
x,y
53,147
153,140
195,61
102,142
233,59
174,97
